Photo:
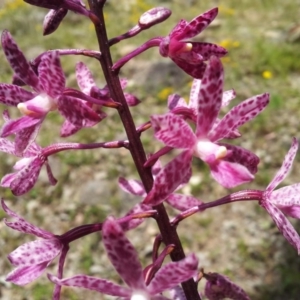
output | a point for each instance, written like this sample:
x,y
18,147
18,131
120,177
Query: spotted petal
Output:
x,y
286,166
239,115
210,97
197,25
92,283
173,273
173,131
169,179
122,254
12,95
51,75
18,61
283,224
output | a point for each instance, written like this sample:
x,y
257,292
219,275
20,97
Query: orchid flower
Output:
x,y
124,258
188,55
47,95
284,201
27,169
220,287
32,258
230,165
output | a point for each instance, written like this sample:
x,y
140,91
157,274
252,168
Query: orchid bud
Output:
x,y
154,16
52,20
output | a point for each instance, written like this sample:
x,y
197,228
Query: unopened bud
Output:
x,y
53,19
154,16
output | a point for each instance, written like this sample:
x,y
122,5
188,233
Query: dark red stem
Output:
x,y
168,232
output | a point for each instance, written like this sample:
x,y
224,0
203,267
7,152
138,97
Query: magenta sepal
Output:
x,y
220,287
285,200
169,179
124,257
32,258
190,56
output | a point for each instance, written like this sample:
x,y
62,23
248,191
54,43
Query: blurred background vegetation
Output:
x,y
241,241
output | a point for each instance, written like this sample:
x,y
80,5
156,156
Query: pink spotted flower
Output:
x,y
27,169
230,165
124,258
46,95
284,201
32,258
189,55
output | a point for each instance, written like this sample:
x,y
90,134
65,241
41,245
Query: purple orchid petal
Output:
x,y
239,115
35,252
122,254
172,274
288,200
25,137
285,168
196,70
84,78
210,97
23,226
197,25
230,174
53,19
80,114
242,156
173,131
13,95
18,61
93,283
133,187
227,97
27,177
7,180
283,224
169,179
207,50
220,287
26,274
182,202
7,146
68,129
13,126
51,75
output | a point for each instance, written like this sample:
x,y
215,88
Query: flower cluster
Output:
x,y
194,129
